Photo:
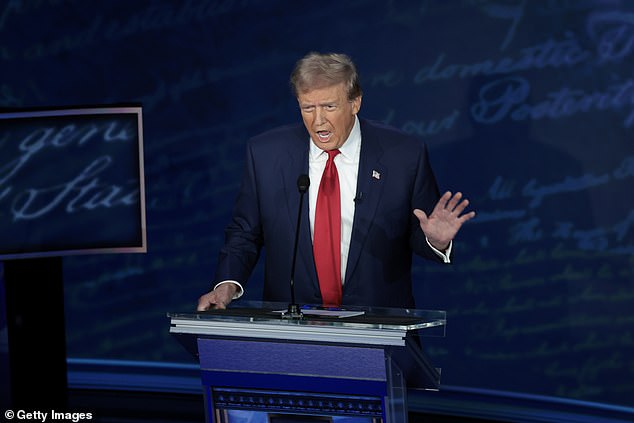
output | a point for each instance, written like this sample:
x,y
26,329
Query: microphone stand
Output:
x,y
294,312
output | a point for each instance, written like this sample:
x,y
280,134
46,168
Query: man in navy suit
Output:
x,y
389,202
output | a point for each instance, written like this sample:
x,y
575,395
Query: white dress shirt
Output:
x,y
348,168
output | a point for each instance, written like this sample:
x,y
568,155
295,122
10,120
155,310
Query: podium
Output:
x,y
356,362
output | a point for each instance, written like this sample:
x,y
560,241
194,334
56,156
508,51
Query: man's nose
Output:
x,y
320,117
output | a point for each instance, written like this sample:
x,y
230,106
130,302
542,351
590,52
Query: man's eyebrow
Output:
x,y
323,103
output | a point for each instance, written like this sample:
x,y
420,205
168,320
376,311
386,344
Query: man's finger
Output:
x,y
442,202
467,216
451,204
422,217
460,207
203,305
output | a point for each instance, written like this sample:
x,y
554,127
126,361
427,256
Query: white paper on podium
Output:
x,y
327,312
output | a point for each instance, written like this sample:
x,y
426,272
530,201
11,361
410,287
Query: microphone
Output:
x,y
294,312
358,198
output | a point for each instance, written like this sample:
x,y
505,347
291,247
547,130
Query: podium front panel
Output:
x,y
301,359
337,362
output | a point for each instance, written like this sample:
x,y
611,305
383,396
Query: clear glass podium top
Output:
x,y
270,313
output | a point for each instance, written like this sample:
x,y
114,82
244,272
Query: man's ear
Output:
x,y
356,105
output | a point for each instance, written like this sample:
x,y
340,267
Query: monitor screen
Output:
x,y
71,182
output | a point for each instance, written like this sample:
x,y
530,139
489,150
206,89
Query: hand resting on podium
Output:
x,y
219,298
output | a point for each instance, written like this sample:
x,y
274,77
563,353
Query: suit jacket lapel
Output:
x,y
370,180
297,164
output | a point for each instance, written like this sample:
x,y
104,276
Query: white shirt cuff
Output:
x,y
238,293
444,255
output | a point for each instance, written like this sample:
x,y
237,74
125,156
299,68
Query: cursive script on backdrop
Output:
x,y
69,165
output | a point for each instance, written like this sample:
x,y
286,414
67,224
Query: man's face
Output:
x,y
328,115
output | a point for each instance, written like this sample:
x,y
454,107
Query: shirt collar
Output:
x,y
350,149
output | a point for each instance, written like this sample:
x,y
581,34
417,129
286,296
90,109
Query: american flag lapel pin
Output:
x,y
376,175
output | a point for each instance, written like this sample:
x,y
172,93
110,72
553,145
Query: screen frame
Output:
x,y
83,111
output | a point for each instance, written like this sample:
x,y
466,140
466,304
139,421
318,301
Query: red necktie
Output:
x,y
327,234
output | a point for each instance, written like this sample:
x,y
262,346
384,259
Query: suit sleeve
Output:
x,y
243,235
425,196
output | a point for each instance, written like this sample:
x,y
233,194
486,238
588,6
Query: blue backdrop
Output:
x,y
527,107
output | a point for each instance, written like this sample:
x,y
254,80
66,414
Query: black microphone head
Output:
x,y
303,182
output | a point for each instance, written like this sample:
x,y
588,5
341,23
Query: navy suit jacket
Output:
x,y
394,178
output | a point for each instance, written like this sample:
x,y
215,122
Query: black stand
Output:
x,y
36,331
